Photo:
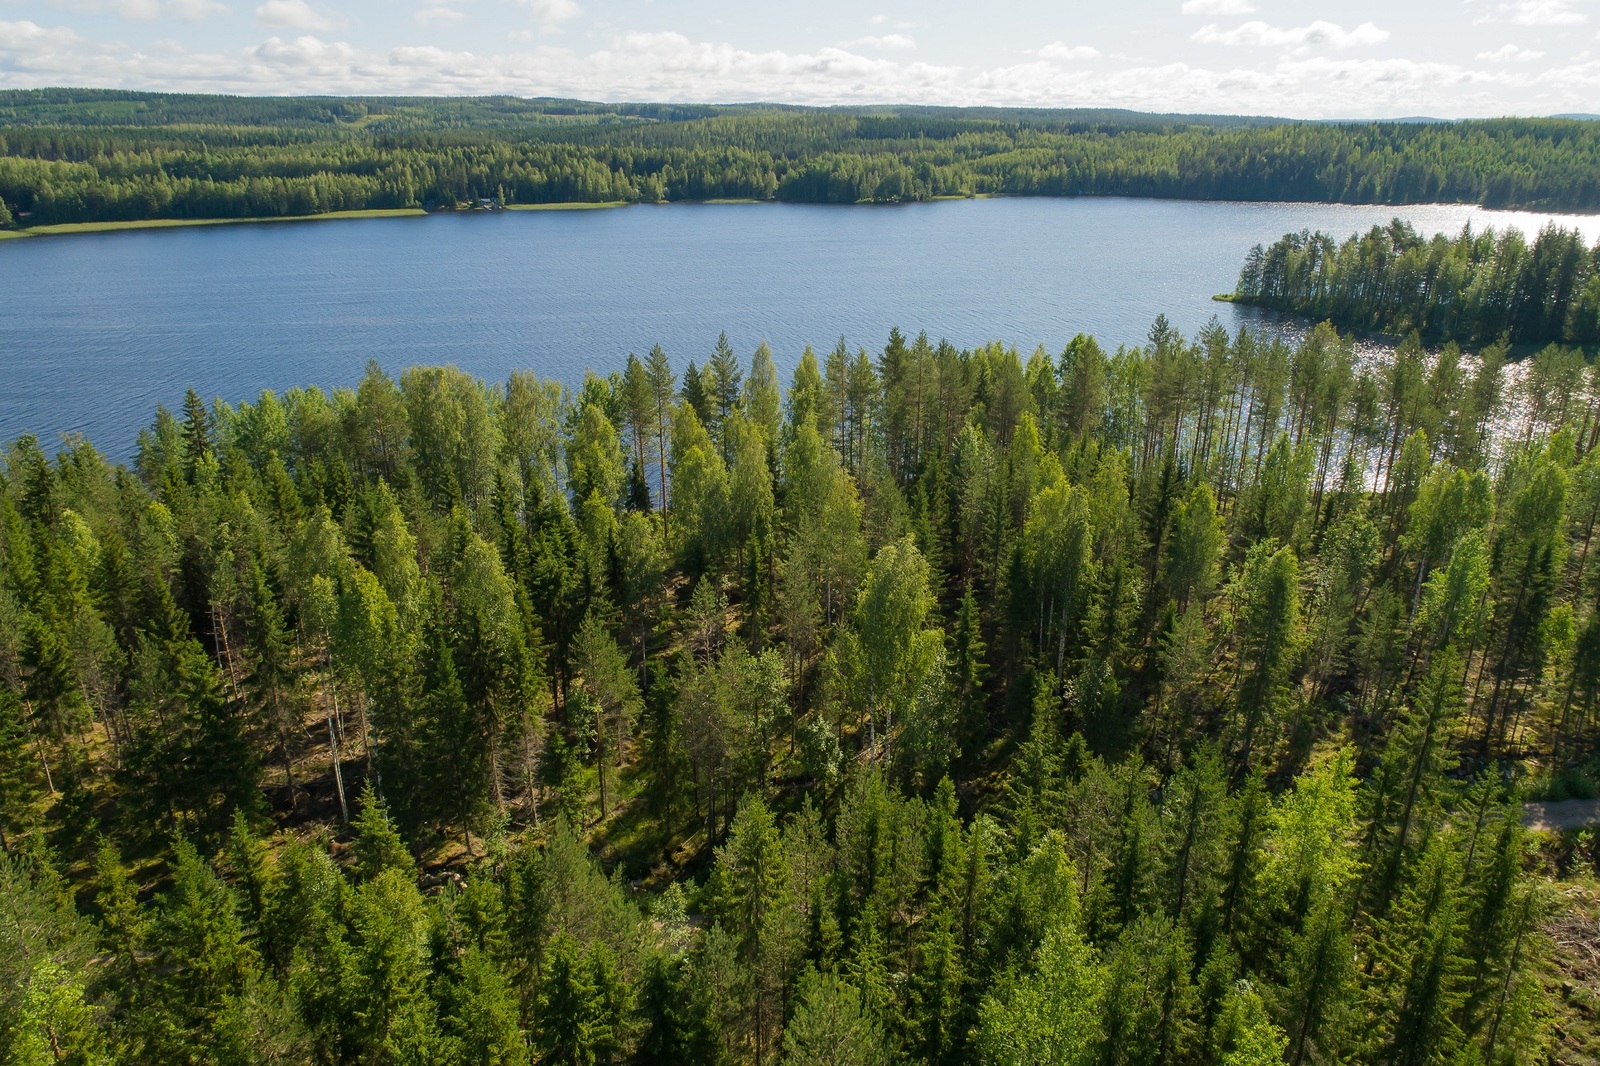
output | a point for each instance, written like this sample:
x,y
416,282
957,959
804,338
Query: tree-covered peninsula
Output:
x,y
79,155
1474,288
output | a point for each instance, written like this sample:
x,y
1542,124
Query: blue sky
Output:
x,y
1299,58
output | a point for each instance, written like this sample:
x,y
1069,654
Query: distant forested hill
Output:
x,y
78,155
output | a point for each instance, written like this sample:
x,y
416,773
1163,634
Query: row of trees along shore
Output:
x,y
1474,288
1164,705
79,155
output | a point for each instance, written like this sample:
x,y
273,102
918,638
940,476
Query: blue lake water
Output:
x,y
96,330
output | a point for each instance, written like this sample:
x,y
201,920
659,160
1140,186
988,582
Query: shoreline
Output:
x,y
68,229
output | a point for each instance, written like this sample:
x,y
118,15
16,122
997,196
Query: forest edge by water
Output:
x,y
66,229
1170,704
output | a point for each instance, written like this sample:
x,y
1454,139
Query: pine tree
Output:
x,y
695,396
125,924
394,1015
660,376
609,683
452,744
1196,820
942,1009
1320,981
1149,1002
1194,547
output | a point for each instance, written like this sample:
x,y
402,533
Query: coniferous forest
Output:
x,y
1167,705
83,155
1474,288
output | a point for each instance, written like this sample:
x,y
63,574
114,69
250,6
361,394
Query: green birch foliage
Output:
x,y
890,660
1193,547
1051,1016
1247,1035
46,1015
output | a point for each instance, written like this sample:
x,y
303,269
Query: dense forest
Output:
x,y
1165,705
1474,288
78,155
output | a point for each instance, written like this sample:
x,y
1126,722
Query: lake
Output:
x,y
99,329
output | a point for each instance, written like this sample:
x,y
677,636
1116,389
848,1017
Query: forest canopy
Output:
x,y
1474,288
1164,705
79,155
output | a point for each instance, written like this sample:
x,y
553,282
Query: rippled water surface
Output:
x,y
95,331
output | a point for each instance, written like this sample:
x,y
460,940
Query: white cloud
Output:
x,y
296,15
888,40
1544,13
1510,53
552,13
1061,52
132,10
1218,7
30,38
308,54
1259,34
147,10
672,66
195,10
1535,13
438,13
878,20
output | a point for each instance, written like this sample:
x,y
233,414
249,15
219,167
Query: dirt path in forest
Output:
x,y
1561,814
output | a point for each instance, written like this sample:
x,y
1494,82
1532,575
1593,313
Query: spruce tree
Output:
x,y
377,846
1269,636
568,1022
19,790
832,1025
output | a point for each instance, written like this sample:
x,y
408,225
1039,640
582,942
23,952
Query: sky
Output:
x,y
1292,58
